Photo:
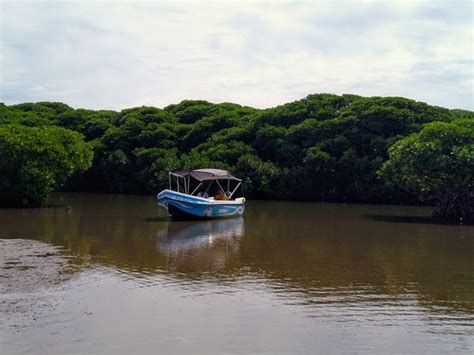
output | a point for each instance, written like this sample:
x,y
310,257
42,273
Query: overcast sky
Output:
x,y
116,54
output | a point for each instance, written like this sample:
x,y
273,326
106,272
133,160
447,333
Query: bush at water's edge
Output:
x,y
322,148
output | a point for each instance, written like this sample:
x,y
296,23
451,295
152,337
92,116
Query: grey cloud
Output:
x,y
447,12
104,55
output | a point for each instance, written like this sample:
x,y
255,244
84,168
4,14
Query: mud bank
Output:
x,y
28,271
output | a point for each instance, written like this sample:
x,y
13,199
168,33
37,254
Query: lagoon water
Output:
x,y
112,274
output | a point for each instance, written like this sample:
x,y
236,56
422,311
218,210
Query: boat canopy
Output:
x,y
205,174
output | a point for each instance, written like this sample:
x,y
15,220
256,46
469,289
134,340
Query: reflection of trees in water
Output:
x,y
306,247
337,248
109,228
123,232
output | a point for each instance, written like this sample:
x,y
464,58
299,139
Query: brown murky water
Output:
x,y
111,274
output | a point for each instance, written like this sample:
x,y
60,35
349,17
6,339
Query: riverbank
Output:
x,y
28,270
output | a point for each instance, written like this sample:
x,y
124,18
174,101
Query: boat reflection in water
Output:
x,y
200,245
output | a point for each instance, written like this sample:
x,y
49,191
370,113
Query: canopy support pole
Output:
x,y
192,193
240,182
208,186
219,184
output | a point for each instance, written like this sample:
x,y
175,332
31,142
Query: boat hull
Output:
x,y
181,206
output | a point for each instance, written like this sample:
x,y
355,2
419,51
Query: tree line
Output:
x,y
322,148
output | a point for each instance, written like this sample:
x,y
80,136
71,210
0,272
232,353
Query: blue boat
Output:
x,y
190,198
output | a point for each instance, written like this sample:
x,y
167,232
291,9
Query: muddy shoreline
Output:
x,y
29,269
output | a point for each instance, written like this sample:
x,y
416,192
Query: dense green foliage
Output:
x,y
324,147
35,160
437,164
